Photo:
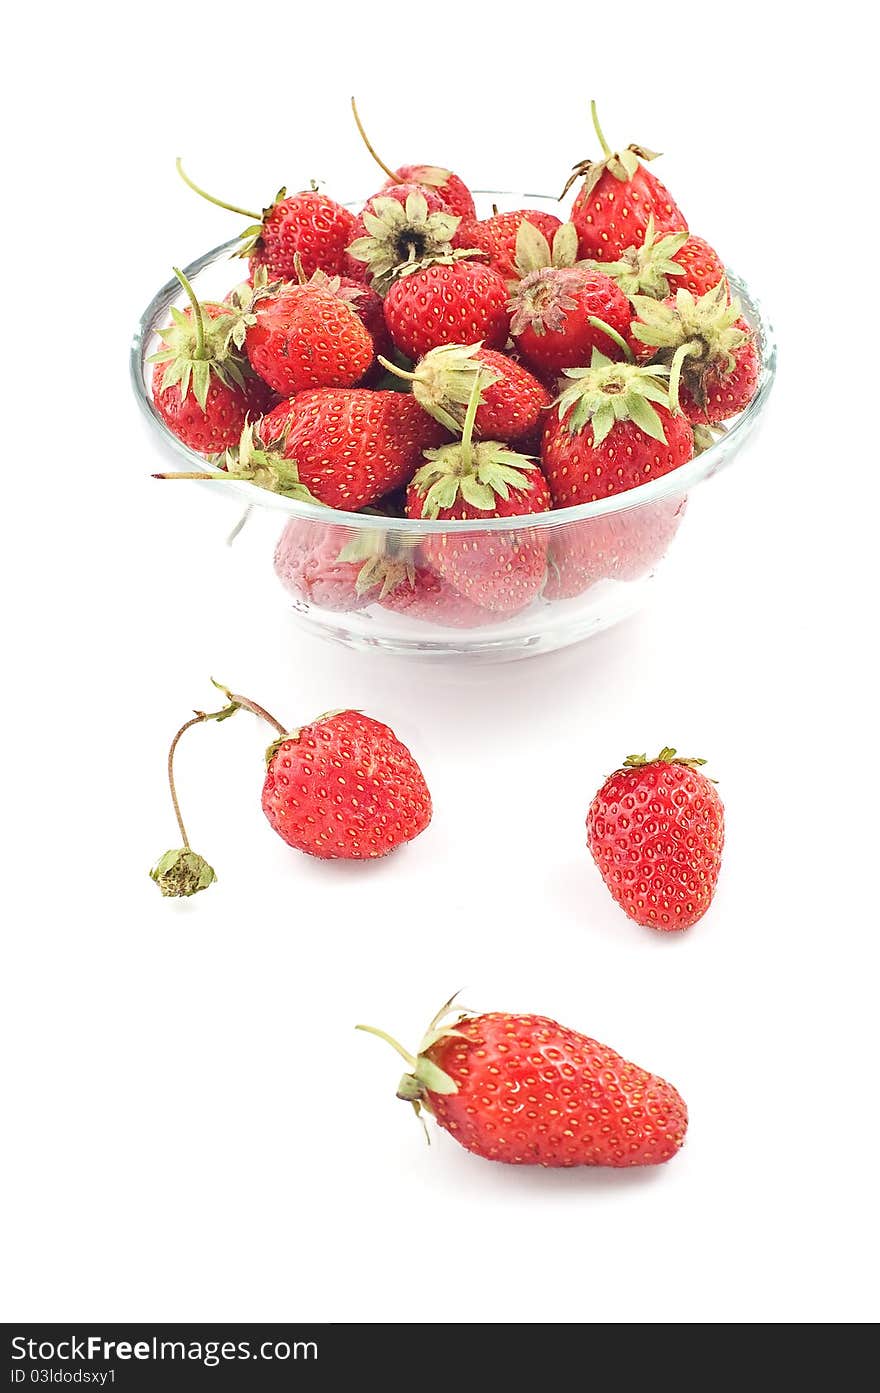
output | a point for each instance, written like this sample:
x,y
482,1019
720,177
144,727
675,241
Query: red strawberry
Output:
x,y
366,304
202,390
656,832
451,301
618,196
498,237
622,546
300,336
659,266
454,192
423,595
351,445
307,225
501,570
401,225
308,564
708,347
527,1091
561,315
613,431
345,788
513,403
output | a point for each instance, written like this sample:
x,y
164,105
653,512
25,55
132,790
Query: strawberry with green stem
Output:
x,y
404,225
202,388
501,570
617,197
526,1091
307,224
342,787
453,190
560,314
659,266
255,460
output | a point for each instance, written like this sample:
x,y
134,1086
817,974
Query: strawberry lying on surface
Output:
x,y
525,1090
342,787
656,832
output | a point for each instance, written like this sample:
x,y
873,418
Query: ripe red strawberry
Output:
x,y
425,596
622,546
618,196
308,225
366,304
342,787
351,445
308,564
300,336
203,390
659,266
656,832
613,431
561,315
525,1090
513,403
708,346
451,301
497,237
500,570
403,224
454,192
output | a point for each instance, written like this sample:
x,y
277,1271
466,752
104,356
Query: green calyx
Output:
x,y
263,463
182,873
478,473
423,1075
623,164
399,235
442,381
667,755
691,334
606,392
535,253
649,269
388,562
198,347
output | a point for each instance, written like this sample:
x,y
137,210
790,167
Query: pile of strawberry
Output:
x,y
415,359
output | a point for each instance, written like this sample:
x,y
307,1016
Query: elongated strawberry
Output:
x,y
499,570
350,445
203,390
307,225
659,266
512,405
613,430
527,1091
656,832
451,300
398,227
708,346
618,196
342,787
453,190
560,315
499,237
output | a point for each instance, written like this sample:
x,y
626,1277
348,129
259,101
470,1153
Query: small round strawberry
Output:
x,y
498,237
561,314
453,190
709,348
398,227
303,335
656,831
202,389
501,570
660,266
453,300
527,1091
512,405
617,198
307,225
613,430
351,446
341,788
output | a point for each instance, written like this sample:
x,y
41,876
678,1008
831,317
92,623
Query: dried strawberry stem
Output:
x,y
247,705
200,350
366,139
192,474
606,148
230,207
197,719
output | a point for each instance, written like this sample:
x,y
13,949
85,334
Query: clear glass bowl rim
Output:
x,y
677,481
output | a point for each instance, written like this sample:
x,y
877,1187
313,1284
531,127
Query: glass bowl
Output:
x,y
600,557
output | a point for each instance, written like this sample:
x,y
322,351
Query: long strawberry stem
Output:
x,y
389,1039
612,334
201,351
219,203
467,430
606,148
197,719
366,139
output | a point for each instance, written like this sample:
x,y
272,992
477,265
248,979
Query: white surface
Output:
x,y
193,1129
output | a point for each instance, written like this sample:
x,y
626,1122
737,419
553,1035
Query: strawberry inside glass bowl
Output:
x,y
521,585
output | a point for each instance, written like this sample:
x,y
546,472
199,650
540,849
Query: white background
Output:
x,y
192,1127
